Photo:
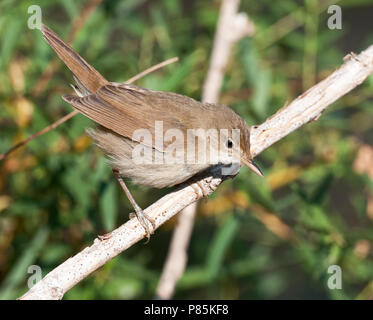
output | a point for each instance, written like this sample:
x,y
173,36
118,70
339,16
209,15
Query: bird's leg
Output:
x,y
139,214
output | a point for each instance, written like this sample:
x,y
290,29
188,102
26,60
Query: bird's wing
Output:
x,y
125,108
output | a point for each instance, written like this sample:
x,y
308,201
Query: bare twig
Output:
x,y
177,256
38,134
152,69
304,109
75,112
81,19
232,26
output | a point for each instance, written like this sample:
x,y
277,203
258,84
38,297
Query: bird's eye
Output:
x,y
230,144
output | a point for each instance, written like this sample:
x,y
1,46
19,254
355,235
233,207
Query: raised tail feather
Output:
x,y
89,77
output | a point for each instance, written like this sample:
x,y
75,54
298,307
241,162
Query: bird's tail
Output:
x,y
88,76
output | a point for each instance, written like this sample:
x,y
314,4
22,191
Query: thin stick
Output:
x,y
151,69
38,134
75,112
177,256
304,109
232,27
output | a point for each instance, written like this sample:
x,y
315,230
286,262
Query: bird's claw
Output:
x,y
143,219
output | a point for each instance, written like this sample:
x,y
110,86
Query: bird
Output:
x,y
131,120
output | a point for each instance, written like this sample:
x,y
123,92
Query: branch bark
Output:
x,y
232,26
310,105
305,108
177,256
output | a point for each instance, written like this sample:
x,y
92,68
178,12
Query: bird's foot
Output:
x,y
143,219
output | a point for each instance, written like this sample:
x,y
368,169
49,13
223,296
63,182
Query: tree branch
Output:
x,y
304,109
232,26
177,256
310,105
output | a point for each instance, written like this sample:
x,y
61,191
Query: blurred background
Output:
x,y
271,238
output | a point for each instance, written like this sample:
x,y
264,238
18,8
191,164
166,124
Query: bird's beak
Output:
x,y
252,166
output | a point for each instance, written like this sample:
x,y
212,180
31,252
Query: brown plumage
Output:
x,y
121,110
88,75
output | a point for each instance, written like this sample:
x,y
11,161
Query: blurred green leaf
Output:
x,y
108,206
19,271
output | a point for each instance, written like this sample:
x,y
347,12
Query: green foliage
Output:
x,y
254,238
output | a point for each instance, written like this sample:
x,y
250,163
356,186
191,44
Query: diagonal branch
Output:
x,y
310,105
304,109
